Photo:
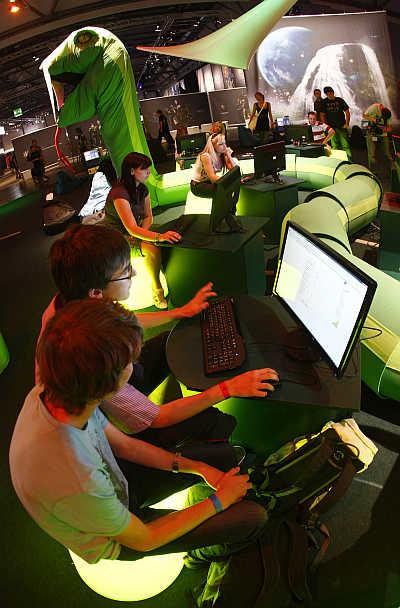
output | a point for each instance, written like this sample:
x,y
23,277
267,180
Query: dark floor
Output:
x,y
362,567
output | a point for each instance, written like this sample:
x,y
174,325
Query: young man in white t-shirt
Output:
x,y
86,483
322,133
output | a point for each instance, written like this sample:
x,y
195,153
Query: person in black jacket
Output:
x,y
163,129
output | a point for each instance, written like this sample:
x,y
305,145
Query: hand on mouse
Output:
x,y
252,384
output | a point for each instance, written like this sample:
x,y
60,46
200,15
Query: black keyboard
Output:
x,y
223,345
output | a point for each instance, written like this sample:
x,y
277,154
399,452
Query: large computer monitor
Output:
x,y
269,159
225,197
328,295
190,145
302,133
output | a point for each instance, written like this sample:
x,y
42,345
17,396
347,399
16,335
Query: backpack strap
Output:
x,y
338,489
298,562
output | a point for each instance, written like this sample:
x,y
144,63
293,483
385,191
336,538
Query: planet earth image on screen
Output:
x,y
283,56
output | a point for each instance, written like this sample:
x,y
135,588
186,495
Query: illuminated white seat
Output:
x,y
141,292
131,581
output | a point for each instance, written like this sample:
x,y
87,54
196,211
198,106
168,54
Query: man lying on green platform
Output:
x,y
94,261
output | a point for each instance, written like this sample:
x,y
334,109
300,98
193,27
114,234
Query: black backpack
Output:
x,y
272,573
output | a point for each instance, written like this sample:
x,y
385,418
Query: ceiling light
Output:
x,y
14,6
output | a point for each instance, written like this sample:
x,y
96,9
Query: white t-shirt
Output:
x,y
69,481
319,131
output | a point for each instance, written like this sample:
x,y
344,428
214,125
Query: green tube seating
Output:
x,y
332,214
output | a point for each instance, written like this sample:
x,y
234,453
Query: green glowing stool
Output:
x,y
4,354
197,204
141,293
134,581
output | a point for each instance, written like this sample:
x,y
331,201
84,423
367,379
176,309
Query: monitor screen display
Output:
x,y
280,122
269,159
364,124
191,144
326,293
298,133
225,197
91,154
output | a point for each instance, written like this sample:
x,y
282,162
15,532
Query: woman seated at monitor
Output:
x,y
128,209
215,157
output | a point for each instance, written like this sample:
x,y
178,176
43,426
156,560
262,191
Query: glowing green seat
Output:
x,y
132,581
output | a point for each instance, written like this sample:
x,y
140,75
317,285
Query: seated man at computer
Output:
x,y
215,157
94,261
321,132
86,483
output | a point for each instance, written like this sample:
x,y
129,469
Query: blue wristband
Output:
x,y
216,502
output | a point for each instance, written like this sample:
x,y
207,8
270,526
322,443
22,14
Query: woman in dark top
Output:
x,y
128,209
264,115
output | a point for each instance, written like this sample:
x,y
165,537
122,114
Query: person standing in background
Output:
x,y
318,103
378,134
336,114
265,122
163,129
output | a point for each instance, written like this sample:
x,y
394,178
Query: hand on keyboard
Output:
x,y
253,383
169,237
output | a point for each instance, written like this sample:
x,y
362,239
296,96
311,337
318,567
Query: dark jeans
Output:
x,y
168,137
152,367
221,535
204,189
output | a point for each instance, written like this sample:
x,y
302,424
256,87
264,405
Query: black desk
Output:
x,y
311,151
234,262
272,200
294,409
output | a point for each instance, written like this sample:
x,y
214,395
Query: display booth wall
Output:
x,y
349,52
231,105
187,109
45,138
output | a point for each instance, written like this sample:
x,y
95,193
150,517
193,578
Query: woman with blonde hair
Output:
x,y
215,157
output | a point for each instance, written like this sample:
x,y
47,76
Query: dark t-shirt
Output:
x,y
112,218
318,106
334,110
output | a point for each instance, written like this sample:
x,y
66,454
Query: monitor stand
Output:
x,y
274,178
228,224
300,347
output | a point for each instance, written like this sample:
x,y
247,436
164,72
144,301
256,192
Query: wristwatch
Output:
x,y
175,463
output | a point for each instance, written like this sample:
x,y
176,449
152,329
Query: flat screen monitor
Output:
x,y
190,145
364,125
269,159
279,122
225,198
91,155
328,295
298,133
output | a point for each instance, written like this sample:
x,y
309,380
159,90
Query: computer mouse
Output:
x,y
275,383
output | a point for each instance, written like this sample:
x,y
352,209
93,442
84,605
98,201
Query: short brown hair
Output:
x,y
84,349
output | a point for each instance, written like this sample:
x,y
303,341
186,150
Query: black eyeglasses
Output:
x,y
125,278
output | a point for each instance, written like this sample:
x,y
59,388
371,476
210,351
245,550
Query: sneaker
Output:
x,y
159,300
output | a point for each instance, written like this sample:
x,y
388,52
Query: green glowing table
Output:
x,y
271,200
233,262
309,396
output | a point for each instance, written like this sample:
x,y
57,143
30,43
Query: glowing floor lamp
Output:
x,y
133,581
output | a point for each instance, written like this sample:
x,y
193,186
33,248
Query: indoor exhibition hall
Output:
x,y
200,319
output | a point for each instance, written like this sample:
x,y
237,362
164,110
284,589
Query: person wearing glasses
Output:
x,y
215,157
94,261
128,209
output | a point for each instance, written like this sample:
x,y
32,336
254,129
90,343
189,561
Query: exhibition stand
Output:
x,y
234,262
272,200
309,395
